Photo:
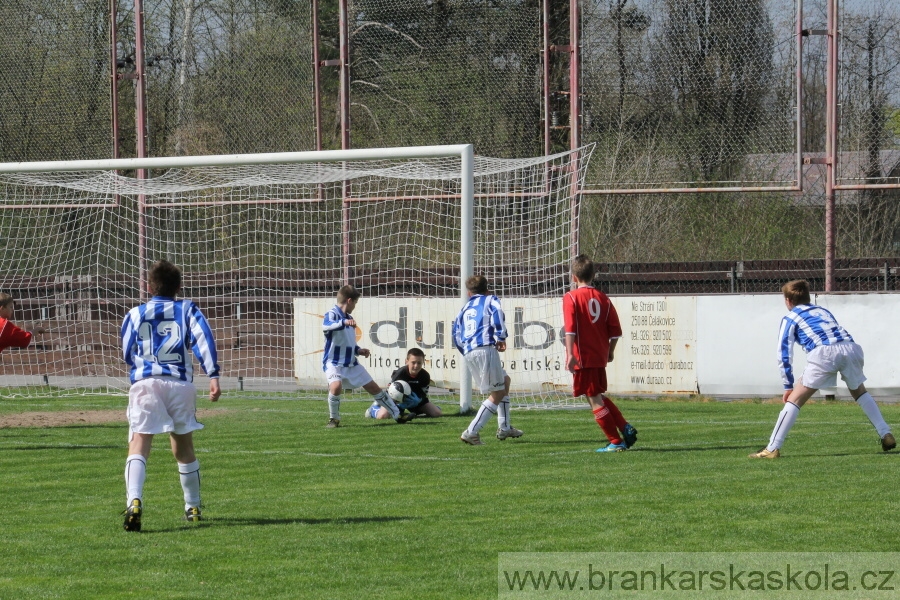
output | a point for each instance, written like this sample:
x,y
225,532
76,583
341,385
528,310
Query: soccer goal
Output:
x,y
265,241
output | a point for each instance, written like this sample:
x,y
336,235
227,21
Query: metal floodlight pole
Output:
x,y
799,92
345,129
574,117
141,125
831,67
545,7
466,257
114,76
317,69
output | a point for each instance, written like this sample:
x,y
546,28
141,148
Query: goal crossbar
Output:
x,y
223,160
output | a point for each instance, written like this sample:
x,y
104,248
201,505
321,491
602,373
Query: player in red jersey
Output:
x,y
592,331
10,335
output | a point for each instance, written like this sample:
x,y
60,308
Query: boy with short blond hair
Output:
x,y
592,331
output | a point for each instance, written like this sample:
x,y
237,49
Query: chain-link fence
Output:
x,y
676,94
54,80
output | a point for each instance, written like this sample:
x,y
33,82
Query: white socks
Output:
x,y
386,402
135,474
485,412
783,425
867,403
190,483
503,413
334,407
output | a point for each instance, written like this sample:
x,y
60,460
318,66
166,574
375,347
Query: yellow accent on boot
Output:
x,y
766,453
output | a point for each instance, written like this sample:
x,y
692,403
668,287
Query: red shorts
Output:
x,y
589,382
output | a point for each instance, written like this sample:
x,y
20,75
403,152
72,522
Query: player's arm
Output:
x,y
612,348
129,340
613,329
455,330
498,322
214,390
204,344
786,354
332,321
569,330
13,337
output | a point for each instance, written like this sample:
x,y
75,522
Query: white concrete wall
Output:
x,y
713,345
737,338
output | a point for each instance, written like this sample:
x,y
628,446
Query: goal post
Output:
x,y
265,241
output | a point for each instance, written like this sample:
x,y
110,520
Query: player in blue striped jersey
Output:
x,y
339,359
158,339
479,333
830,350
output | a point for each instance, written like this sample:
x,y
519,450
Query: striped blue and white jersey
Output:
x,y
480,323
340,340
810,326
158,337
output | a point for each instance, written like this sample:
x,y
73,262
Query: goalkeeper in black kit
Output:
x,y
409,389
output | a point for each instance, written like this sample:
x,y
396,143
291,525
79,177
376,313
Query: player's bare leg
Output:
x,y
432,410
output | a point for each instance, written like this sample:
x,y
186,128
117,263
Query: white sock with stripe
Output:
x,y
485,412
135,474
867,403
503,414
783,425
190,483
334,406
386,402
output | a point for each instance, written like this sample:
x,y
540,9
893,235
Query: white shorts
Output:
x,y
488,374
355,376
162,405
824,363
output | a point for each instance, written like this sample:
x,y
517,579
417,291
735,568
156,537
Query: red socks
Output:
x,y
614,412
605,420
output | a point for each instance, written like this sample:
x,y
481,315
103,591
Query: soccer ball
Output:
x,y
397,390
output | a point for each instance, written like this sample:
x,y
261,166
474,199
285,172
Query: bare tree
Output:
x,y
714,73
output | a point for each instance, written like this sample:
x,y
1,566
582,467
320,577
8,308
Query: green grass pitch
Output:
x,y
378,510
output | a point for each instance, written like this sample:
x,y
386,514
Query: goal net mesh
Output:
x,y
263,250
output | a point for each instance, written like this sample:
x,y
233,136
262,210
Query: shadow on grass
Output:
x,y
31,428
263,521
68,447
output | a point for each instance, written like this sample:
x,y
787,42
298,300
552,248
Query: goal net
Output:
x,y
265,241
